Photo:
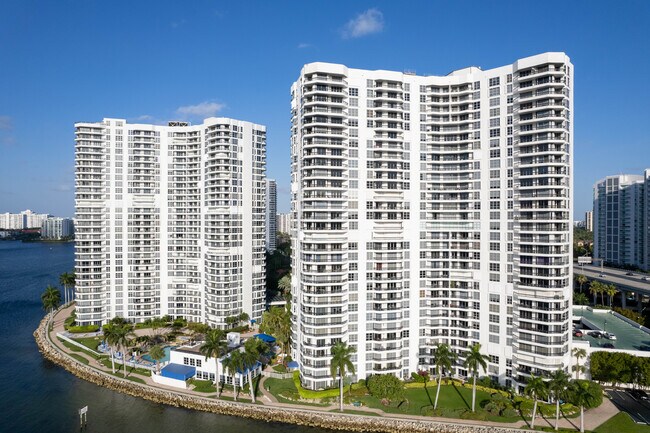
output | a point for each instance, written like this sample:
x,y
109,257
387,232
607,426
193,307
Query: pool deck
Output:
x,y
628,337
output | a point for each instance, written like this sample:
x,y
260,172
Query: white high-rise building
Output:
x,y
170,220
23,220
271,212
284,222
57,228
34,220
433,209
621,219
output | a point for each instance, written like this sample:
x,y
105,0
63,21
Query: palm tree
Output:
x,y
277,322
123,336
341,363
536,389
558,386
285,283
253,349
474,360
157,353
67,279
244,317
445,358
581,280
595,288
51,299
581,396
214,347
578,353
234,363
110,339
580,299
611,291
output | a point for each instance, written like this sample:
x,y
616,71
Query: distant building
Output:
x,y
23,220
621,220
57,228
284,222
579,224
271,214
589,220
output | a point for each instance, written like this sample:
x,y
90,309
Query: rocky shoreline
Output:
x,y
332,421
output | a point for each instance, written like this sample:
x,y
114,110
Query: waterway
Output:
x,y
38,396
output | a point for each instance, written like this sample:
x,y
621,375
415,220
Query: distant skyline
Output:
x,y
151,62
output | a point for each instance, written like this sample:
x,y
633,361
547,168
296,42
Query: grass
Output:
x,y
90,342
79,358
621,423
279,368
286,392
106,362
74,348
203,386
128,377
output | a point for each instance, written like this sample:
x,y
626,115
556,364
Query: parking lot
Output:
x,y
638,409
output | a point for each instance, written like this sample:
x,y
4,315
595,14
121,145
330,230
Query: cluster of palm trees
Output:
x,y
67,280
237,361
117,335
596,288
559,386
51,296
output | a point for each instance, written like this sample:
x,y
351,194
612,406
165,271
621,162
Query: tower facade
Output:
x,y
432,209
170,220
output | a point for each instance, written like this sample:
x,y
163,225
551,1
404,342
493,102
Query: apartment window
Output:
x,y
495,132
494,91
477,85
495,153
494,122
494,102
354,91
494,81
495,278
495,112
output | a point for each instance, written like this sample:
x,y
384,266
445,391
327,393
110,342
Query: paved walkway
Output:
x,y
593,417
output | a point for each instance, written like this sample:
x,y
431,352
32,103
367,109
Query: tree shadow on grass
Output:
x,y
428,395
460,395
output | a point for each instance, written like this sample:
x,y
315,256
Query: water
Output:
x,y
38,396
167,349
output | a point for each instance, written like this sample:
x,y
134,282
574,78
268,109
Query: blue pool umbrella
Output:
x,y
265,338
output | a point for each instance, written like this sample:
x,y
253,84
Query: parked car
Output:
x,y
577,333
608,346
602,275
639,394
646,278
596,334
609,336
630,273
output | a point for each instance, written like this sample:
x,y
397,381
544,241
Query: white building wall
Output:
x,y
432,210
170,220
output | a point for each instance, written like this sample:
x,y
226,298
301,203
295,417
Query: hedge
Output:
x,y
83,329
313,395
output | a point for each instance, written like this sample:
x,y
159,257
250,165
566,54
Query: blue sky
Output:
x,y
68,61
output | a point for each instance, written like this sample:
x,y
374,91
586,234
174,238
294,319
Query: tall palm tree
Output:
x,y
445,358
536,389
611,291
578,353
277,322
285,283
253,349
581,396
51,299
580,299
123,336
581,280
110,337
341,364
595,288
214,347
233,363
157,353
67,279
474,360
558,386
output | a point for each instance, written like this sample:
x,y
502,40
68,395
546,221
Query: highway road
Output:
x,y
639,410
632,283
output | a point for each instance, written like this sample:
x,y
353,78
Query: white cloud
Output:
x,y
202,110
366,23
6,123
303,45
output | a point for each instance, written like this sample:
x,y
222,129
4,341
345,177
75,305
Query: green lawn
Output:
x,y
78,349
106,362
203,386
79,358
279,368
90,342
128,377
285,391
621,423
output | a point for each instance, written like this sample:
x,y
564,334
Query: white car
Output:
x,y
609,336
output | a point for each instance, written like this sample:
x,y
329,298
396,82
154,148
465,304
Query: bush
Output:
x,y
314,395
385,386
83,329
630,314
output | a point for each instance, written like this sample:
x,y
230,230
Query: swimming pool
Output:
x,y
167,349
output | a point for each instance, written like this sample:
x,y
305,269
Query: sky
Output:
x,y
152,61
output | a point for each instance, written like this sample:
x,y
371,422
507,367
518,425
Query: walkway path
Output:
x,y
593,417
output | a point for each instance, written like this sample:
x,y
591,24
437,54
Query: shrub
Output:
x,y
83,329
385,386
314,395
